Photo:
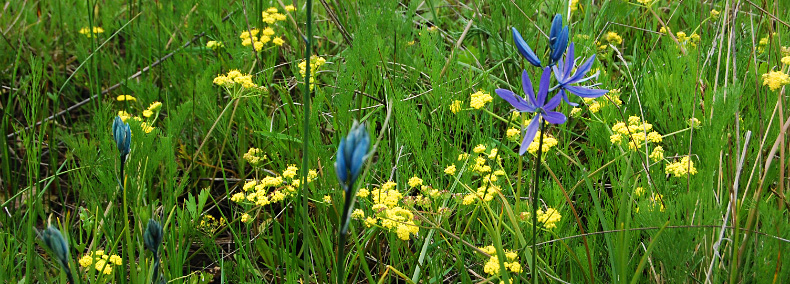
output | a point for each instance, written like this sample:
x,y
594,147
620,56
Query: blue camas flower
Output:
x,y
537,104
562,72
524,49
60,248
152,238
351,155
558,39
123,136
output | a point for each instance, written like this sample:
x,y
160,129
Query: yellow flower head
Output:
x,y
480,99
455,107
415,182
122,98
657,154
290,8
450,170
613,38
775,80
681,168
278,41
512,134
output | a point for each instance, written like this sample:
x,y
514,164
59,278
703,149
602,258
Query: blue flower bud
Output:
x,y
60,248
351,154
122,135
524,49
558,39
152,237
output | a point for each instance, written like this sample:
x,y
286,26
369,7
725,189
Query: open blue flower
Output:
x,y
537,104
562,72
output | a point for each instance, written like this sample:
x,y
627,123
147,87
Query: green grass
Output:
x,y
388,66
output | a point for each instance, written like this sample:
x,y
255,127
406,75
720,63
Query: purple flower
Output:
x,y
558,39
562,72
536,104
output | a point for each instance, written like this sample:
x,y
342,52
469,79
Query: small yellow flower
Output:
x,y
358,214
613,38
147,113
455,107
450,170
775,80
328,199
480,99
512,134
290,8
786,60
86,261
479,148
122,98
657,154
576,111
681,168
714,14
115,259
278,41
90,32
694,122
246,218
415,182
549,218
363,193
214,45
639,191
370,221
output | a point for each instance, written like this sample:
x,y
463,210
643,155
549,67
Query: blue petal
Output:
x,y
340,163
565,98
570,59
556,28
524,49
558,48
514,100
582,70
554,117
543,89
585,92
358,158
526,86
554,102
532,129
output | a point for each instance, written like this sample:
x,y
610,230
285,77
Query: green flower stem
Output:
x,y
306,143
535,204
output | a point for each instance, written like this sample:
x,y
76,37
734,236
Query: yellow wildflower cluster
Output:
x,y
315,63
775,80
549,218
655,200
235,78
154,107
694,122
260,193
645,2
388,211
480,99
214,45
786,60
123,98
246,218
689,40
102,262
492,267
255,157
657,154
415,182
272,15
595,104
88,32
609,38
639,191
681,168
455,107
145,126
450,170
574,5
548,143
764,43
714,14
635,133
513,134
209,224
